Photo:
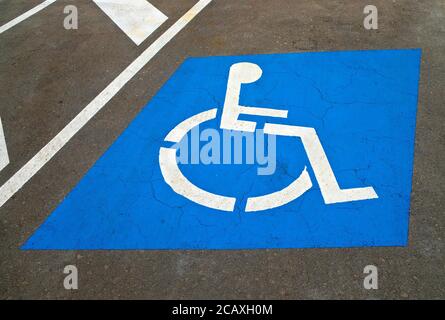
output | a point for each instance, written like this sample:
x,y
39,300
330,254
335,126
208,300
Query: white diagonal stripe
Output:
x,y
26,15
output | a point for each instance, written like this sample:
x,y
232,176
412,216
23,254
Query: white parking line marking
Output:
x,y
56,144
4,157
26,15
137,18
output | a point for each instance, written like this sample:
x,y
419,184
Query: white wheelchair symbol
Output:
x,y
243,73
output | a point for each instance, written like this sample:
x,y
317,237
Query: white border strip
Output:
x,y
56,144
4,157
26,15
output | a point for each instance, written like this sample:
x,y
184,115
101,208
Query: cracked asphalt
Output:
x,y
49,74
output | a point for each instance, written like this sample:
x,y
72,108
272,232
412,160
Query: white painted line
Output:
x,y
56,144
137,18
4,157
26,15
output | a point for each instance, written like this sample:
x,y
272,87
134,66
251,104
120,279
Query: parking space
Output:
x,y
48,75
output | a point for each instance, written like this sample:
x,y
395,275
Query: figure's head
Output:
x,y
245,72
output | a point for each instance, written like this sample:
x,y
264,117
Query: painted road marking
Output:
x,y
360,104
176,180
16,182
246,73
4,157
26,15
136,18
323,172
239,74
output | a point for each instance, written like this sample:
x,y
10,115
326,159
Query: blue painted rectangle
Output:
x,y
362,105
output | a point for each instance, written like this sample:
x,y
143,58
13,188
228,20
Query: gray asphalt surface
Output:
x,y
49,74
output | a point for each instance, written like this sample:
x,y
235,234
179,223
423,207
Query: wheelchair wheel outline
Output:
x,y
182,186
